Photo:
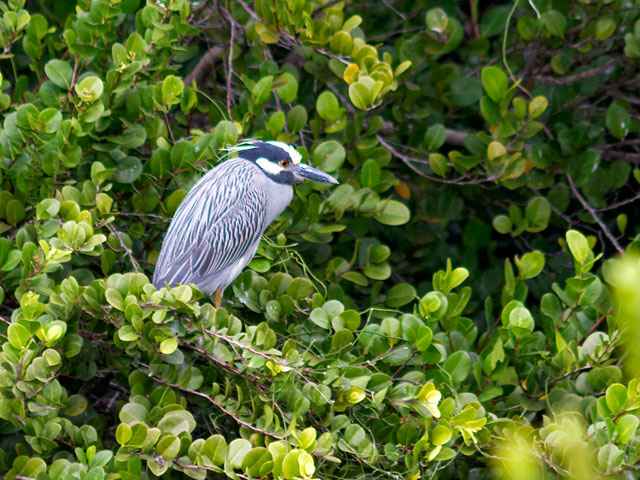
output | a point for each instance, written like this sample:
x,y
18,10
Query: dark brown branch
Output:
x,y
585,368
594,72
454,137
204,66
619,204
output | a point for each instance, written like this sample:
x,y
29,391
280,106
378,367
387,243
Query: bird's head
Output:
x,y
280,162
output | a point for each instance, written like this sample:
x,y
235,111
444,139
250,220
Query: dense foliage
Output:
x,y
453,308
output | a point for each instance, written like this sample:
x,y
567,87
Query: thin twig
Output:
x,y
230,64
247,8
595,216
584,368
594,72
619,204
216,404
235,344
135,214
126,249
222,363
184,466
408,161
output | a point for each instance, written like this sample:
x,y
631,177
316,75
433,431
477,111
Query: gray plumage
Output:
x,y
216,230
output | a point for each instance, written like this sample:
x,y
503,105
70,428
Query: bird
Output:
x,y
216,229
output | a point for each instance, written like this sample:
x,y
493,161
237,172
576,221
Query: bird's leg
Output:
x,y
217,298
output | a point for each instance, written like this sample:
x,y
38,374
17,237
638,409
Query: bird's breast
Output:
x,y
279,197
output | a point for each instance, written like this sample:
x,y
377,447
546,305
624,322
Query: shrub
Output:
x,y
454,307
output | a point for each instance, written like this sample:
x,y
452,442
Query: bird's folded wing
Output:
x,y
213,227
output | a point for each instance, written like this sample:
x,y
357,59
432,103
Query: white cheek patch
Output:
x,y
268,166
293,153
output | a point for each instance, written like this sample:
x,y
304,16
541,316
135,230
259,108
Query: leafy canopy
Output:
x,y
452,308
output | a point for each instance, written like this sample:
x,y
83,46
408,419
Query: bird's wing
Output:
x,y
215,225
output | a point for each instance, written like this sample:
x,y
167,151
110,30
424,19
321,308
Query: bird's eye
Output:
x,y
284,163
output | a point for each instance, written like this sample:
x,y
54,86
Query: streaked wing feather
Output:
x,y
214,226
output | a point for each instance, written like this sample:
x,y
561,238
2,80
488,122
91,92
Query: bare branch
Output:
x,y
216,404
594,72
126,249
595,216
409,162
619,204
204,66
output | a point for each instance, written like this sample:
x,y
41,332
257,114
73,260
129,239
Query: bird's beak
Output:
x,y
309,173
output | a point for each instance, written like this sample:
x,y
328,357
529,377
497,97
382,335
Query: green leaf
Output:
x,y
400,294
172,88
435,136
437,20
360,96
456,277
238,448
15,212
465,91
89,89
530,265
123,434
297,118
18,336
441,434
438,164
616,397
578,246
299,288
176,422
215,448
626,426
48,208
502,224
618,120
129,170
392,213
424,335
537,106
604,28
258,462
328,106
287,88
329,156
537,213
59,72
458,366
495,83
370,174
49,120
168,446
168,346
520,321
341,43
555,22
495,150
355,277
290,464
133,136
262,90
493,21
550,306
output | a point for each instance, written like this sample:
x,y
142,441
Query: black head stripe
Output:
x,y
265,150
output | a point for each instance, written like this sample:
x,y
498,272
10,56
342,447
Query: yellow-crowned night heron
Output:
x,y
216,230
